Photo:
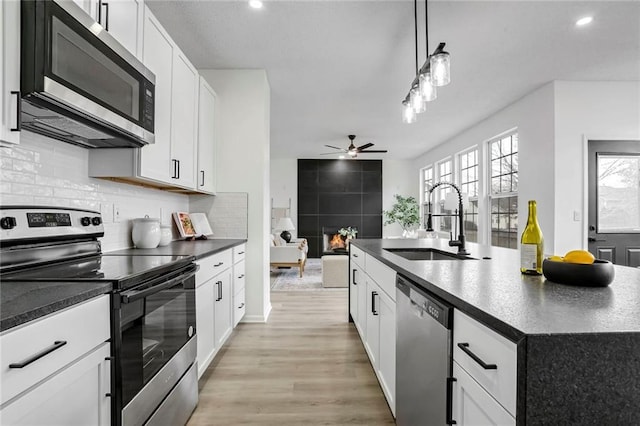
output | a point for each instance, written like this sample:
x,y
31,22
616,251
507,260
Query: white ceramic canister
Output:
x,y
165,235
146,232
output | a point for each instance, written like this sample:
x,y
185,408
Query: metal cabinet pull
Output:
x,y
56,345
476,358
353,277
374,311
18,118
202,175
175,169
241,276
241,305
450,381
219,284
104,4
355,255
241,252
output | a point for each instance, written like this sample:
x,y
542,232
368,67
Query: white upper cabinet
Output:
x,y
121,18
184,116
10,67
206,176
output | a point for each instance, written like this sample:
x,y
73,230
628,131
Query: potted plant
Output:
x,y
405,212
348,233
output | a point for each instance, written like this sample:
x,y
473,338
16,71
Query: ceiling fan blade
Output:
x,y
365,146
330,153
335,147
372,151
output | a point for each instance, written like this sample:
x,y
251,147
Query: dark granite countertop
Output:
x,y
497,294
197,248
21,302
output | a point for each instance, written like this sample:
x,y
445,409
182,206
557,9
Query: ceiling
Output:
x,y
343,67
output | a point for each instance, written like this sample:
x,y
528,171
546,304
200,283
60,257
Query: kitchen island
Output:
x,y
578,348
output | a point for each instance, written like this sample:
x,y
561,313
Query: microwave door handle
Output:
x,y
133,295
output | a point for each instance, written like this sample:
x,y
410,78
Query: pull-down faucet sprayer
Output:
x,y
460,242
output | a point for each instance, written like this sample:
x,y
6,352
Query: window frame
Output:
x,y
478,178
438,222
423,191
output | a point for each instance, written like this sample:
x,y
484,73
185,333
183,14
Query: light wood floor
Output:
x,y
306,366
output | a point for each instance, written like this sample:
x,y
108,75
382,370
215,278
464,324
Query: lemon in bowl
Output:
x,y
578,268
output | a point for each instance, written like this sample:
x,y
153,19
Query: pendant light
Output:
x,y
440,66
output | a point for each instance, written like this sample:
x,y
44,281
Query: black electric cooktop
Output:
x,y
123,271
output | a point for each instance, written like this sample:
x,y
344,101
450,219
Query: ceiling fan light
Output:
x,y
427,89
408,113
440,68
417,103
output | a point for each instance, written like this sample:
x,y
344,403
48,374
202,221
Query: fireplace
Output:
x,y
332,242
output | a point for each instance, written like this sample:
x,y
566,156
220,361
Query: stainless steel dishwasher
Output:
x,y
423,357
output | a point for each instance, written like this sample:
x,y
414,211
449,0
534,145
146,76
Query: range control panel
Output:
x,y
32,223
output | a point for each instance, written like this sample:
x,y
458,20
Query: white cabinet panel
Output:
x,y
206,176
205,324
353,293
223,302
384,276
123,20
239,307
472,405
372,341
10,67
387,348
361,319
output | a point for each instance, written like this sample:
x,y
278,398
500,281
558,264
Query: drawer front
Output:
x,y
384,276
212,265
238,277
357,255
238,253
492,349
239,307
83,327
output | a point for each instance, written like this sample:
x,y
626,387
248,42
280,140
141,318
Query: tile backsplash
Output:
x,y
44,171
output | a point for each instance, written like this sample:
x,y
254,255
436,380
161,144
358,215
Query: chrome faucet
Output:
x,y
460,242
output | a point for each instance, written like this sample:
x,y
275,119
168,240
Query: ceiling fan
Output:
x,y
353,151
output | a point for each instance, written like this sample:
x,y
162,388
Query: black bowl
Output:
x,y
598,274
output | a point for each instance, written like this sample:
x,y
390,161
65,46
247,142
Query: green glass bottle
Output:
x,y
531,244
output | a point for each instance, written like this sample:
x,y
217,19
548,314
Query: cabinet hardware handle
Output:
x,y
219,284
241,306
241,276
202,174
476,358
374,311
18,118
175,169
218,264
450,381
106,20
355,255
56,345
353,277
178,161
109,358
241,252
107,395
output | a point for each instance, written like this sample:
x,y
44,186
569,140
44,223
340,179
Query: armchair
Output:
x,y
290,254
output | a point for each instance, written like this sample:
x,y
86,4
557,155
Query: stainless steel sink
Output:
x,y
425,254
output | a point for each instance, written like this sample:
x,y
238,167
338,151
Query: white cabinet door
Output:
x,y
472,405
77,395
123,19
205,318
157,54
10,66
206,138
353,292
224,301
184,102
361,320
372,341
387,354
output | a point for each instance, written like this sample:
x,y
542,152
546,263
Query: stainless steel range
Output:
x,y
153,335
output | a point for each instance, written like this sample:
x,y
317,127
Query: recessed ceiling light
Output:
x,y
256,4
584,21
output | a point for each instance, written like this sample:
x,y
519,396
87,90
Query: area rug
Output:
x,y
289,279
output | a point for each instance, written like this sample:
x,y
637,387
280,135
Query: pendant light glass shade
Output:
x,y
427,89
417,103
440,68
408,113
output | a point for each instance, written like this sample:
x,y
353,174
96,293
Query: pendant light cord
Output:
x,y
415,27
426,30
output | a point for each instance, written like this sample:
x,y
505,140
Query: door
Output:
x,y
10,66
223,303
206,138
614,201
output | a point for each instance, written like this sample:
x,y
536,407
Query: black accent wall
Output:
x,y
339,193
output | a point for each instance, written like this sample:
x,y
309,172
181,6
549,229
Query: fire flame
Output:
x,y
337,242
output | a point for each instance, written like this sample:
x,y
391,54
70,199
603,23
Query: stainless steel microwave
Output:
x,y
78,83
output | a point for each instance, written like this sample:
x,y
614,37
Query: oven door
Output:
x,y
156,344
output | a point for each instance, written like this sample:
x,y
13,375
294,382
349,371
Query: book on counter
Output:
x,y
192,225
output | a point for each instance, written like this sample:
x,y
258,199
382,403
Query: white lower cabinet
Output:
x,y
223,301
387,348
239,278
472,405
57,369
372,340
204,324
361,311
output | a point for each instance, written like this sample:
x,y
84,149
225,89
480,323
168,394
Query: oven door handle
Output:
x,y
133,295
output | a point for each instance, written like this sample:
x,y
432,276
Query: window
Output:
x,y
427,184
504,190
468,161
445,174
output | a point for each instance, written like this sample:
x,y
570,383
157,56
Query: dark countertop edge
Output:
x,y
200,248
495,324
52,307
231,244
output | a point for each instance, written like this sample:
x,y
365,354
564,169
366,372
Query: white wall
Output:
x,y
398,177
533,116
242,165
586,110
284,186
44,171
